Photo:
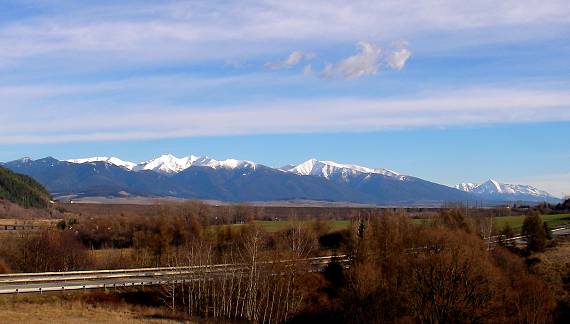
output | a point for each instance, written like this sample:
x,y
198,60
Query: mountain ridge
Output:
x,y
499,190
240,181
22,190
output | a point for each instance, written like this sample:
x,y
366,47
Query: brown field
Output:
x,y
57,310
260,212
554,269
10,210
34,222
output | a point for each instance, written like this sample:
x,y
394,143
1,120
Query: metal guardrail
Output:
x,y
497,238
84,272
71,280
77,280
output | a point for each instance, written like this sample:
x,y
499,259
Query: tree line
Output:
x,y
22,190
440,271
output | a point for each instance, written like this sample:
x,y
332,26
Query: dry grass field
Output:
x,y
57,309
554,269
71,313
34,222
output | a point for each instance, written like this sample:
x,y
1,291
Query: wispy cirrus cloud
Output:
x,y
341,114
196,31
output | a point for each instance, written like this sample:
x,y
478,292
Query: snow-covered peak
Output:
x,y
493,187
167,163
465,186
170,164
228,164
111,160
306,168
328,169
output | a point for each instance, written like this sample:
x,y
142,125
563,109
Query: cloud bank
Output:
x,y
193,31
341,114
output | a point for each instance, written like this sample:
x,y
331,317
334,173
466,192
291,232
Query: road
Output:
x,y
109,279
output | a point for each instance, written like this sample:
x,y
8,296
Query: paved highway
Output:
x,y
109,279
78,280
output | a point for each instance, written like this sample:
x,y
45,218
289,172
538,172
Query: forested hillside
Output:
x,y
22,190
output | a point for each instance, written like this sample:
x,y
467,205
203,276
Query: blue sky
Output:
x,y
447,91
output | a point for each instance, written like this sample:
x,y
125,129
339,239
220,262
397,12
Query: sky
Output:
x,y
449,91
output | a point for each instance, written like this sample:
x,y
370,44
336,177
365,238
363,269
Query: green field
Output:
x,y
516,222
276,226
334,225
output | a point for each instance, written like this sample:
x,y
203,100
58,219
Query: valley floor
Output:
x,y
36,309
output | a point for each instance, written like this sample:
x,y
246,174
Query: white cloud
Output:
x,y
136,121
367,62
362,64
397,60
310,56
328,72
308,69
293,59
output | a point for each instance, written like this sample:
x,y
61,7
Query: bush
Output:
x,y
533,229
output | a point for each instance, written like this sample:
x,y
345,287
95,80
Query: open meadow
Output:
x,y
516,222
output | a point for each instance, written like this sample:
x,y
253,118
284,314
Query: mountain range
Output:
x,y
495,190
232,180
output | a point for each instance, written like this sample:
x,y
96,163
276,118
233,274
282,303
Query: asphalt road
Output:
x,y
109,279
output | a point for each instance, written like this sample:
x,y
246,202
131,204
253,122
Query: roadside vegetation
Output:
x,y
403,267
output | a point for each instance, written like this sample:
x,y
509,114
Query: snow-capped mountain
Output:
x,y
495,189
197,177
111,160
169,164
465,186
330,169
